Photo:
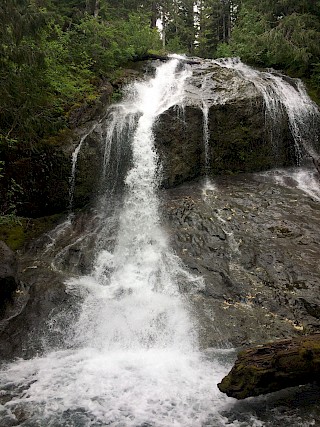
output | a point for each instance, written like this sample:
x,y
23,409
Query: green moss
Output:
x,y
62,138
13,235
16,232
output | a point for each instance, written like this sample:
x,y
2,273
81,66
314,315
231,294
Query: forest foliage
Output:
x,y
55,53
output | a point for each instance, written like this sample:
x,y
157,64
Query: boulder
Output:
x,y
274,366
33,323
239,136
179,141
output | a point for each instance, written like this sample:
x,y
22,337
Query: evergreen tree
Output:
x,y
215,22
22,77
180,26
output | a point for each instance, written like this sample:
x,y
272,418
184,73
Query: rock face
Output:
x,y
37,179
24,327
255,243
8,274
253,239
239,139
43,308
272,367
179,139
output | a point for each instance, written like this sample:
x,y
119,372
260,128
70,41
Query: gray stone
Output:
x,y
244,238
8,274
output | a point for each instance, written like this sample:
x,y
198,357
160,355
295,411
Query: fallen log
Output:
x,y
272,367
152,56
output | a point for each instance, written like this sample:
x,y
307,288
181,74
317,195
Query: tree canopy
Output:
x,y
54,53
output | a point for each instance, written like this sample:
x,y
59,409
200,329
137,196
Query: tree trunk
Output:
x,y
163,30
93,7
154,14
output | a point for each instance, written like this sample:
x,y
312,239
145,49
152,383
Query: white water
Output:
x,y
206,135
74,160
280,96
306,180
132,357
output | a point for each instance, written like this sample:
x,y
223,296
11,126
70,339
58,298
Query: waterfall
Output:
x,y
131,358
283,95
74,160
130,355
205,113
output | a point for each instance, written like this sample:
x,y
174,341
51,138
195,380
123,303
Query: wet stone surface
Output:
x,y
256,244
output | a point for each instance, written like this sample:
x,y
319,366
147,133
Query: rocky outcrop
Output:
x,y
239,136
272,367
24,327
37,178
179,139
42,307
253,240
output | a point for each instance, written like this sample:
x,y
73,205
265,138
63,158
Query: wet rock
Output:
x,y
8,275
243,236
38,178
239,137
274,366
180,145
88,111
42,307
40,315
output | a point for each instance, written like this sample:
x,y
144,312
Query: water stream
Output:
x,y
283,95
131,357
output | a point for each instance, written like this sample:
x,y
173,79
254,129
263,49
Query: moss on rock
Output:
x,y
17,231
274,366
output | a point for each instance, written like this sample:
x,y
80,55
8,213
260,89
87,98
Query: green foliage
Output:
x,y
139,37
293,43
281,34
22,83
175,45
246,36
215,19
54,53
68,77
223,51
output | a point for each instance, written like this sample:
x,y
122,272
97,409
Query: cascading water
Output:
x,y
205,112
281,96
132,357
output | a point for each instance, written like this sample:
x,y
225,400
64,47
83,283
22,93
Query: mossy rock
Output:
x,y
16,232
274,366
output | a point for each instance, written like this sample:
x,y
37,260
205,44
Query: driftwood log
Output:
x,y
272,367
